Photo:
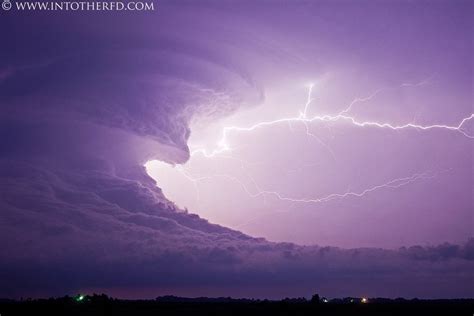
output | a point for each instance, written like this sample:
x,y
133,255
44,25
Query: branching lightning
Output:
x,y
396,183
224,146
259,192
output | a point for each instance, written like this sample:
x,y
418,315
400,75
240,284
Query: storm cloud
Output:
x,y
86,100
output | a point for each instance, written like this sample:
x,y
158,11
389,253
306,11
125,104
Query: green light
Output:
x,y
79,298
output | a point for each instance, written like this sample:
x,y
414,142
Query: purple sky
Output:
x,y
87,99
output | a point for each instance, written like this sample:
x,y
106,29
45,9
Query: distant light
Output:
x,y
325,300
364,300
80,298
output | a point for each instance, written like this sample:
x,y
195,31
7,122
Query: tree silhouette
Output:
x,y
315,299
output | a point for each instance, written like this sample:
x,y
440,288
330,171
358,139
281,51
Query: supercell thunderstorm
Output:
x,y
83,109
245,181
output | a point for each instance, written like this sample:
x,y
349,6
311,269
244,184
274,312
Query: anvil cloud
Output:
x,y
87,99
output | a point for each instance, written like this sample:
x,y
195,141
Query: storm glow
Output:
x,y
242,160
340,131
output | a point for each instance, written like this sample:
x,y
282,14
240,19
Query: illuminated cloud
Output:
x,y
83,109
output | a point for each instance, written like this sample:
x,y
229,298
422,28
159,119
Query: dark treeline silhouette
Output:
x,y
172,305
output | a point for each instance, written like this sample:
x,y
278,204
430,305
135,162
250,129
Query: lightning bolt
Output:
x,y
223,146
395,183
